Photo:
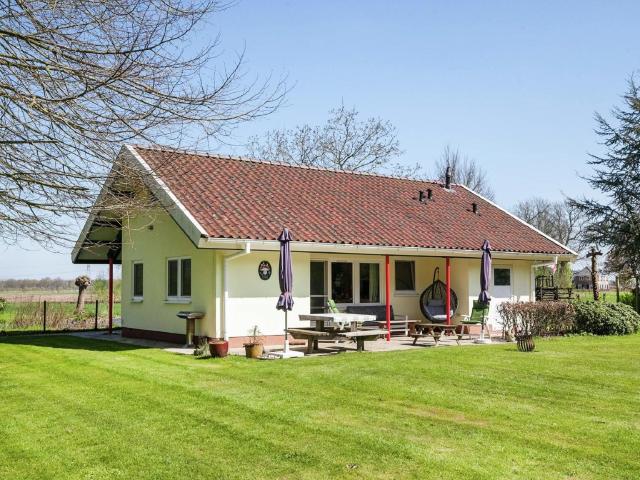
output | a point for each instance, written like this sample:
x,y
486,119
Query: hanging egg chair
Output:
x,y
434,298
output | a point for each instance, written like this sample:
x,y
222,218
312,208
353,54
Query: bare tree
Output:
x,y
82,282
80,77
344,142
463,170
560,220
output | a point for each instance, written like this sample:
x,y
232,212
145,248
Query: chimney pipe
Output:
x,y
474,207
447,178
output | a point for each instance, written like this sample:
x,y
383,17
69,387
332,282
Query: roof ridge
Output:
x,y
243,158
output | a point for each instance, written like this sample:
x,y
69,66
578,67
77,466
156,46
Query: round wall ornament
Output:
x,y
264,270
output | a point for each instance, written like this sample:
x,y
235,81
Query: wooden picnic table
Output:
x,y
348,321
435,330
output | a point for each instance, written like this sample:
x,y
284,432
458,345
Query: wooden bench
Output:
x,y
362,336
436,330
310,335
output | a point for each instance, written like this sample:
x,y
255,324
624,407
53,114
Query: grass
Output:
x,y
608,297
88,409
32,316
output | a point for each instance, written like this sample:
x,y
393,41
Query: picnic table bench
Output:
x,y
362,336
435,330
311,335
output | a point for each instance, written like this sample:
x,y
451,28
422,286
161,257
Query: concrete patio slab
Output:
x,y
397,343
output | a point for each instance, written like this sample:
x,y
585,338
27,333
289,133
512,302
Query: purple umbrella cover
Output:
x,y
285,300
485,273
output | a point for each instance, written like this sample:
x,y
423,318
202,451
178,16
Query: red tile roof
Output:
x,y
249,199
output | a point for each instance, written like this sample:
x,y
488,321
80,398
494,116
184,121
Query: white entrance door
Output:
x,y
501,291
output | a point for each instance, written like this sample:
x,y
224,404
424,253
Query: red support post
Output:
x,y
110,295
387,277
448,279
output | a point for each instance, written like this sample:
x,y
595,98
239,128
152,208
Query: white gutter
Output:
x,y
225,297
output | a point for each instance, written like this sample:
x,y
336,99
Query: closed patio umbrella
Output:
x,y
485,280
285,275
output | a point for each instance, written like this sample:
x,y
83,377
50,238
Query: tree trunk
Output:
x,y
82,293
594,276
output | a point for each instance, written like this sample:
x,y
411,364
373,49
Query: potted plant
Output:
x,y
218,347
254,347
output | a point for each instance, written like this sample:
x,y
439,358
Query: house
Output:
x,y
582,280
211,246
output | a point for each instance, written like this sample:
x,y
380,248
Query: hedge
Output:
x,y
561,318
605,318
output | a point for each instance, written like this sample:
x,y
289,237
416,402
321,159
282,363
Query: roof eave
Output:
x,y
342,248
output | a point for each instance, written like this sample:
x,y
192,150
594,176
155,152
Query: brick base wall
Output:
x,y
180,338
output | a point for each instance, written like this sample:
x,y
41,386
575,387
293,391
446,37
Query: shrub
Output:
x,y
628,298
3,304
537,318
606,319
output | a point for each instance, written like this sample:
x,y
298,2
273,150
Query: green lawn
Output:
x,y
73,408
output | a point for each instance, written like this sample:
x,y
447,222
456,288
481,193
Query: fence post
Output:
x,y
44,318
95,326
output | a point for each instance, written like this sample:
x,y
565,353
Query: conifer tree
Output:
x,y
614,218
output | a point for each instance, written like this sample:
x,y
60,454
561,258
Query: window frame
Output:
x,y
493,276
355,262
395,277
179,298
134,297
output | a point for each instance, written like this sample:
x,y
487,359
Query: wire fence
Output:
x,y
55,316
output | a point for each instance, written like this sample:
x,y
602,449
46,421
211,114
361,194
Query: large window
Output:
x,y
138,279
342,282
369,283
405,276
349,282
179,278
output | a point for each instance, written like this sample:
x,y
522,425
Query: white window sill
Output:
x,y
405,293
181,301
136,300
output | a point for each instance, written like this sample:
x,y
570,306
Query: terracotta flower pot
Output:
x,y
218,347
253,350
525,343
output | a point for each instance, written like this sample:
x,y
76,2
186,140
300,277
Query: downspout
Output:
x,y
225,297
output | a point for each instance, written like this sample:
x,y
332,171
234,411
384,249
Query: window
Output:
x,y
342,282
179,278
369,283
138,279
502,277
185,277
405,276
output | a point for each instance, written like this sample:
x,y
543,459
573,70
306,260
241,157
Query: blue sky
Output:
x,y
514,85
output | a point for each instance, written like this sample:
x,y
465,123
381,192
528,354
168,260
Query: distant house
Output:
x,y
212,245
582,280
